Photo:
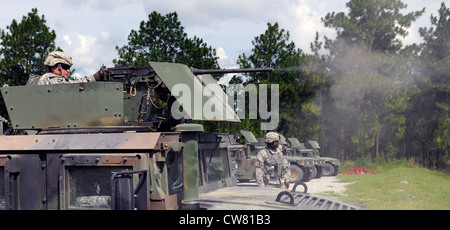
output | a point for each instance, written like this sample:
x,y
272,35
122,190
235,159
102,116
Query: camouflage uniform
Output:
x,y
55,58
271,164
51,78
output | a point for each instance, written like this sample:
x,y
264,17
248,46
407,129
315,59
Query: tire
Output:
x,y
307,176
314,173
305,188
328,170
296,174
285,197
319,171
336,170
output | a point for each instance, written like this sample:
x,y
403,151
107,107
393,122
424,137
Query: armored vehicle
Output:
x,y
301,168
119,144
244,159
331,166
312,166
114,144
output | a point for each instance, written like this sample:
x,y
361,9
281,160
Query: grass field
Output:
x,y
398,186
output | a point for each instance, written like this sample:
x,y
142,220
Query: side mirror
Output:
x,y
124,196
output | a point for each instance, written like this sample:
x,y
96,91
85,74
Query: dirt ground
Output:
x,y
325,185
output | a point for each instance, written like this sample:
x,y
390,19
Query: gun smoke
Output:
x,y
294,69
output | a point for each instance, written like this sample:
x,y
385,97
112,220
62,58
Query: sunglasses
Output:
x,y
65,67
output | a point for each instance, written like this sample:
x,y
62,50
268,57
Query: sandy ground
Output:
x,y
325,185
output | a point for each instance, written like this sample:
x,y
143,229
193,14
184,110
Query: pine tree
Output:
x,y
367,73
23,49
435,60
274,49
162,39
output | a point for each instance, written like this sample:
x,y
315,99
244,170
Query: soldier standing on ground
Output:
x,y
58,69
270,163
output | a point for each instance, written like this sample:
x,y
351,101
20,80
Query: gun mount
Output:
x,y
120,125
100,145
126,96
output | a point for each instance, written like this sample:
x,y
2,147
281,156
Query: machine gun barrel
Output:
x,y
223,71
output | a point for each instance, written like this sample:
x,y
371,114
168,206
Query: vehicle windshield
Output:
x,y
90,187
216,164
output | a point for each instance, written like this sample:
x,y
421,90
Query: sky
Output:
x,y
90,30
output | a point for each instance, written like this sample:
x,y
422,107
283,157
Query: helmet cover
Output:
x,y
271,137
58,57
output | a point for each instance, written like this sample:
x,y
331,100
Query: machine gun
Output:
x,y
149,86
124,74
129,75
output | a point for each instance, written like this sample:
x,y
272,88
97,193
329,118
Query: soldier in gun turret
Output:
x,y
271,163
58,69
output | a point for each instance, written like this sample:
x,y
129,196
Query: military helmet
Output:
x,y
271,137
57,57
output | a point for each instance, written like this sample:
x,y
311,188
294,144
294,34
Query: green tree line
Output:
x,y
361,94
390,101
368,96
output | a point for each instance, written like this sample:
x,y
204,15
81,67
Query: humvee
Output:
x,y
315,166
115,145
301,168
110,144
331,165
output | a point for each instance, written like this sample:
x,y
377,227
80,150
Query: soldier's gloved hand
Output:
x,y
102,74
286,185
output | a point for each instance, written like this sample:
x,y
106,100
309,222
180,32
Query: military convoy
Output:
x,y
305,164
301,168
115,145
330,166
311,167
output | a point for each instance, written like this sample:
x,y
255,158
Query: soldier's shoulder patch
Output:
x,y
260,159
